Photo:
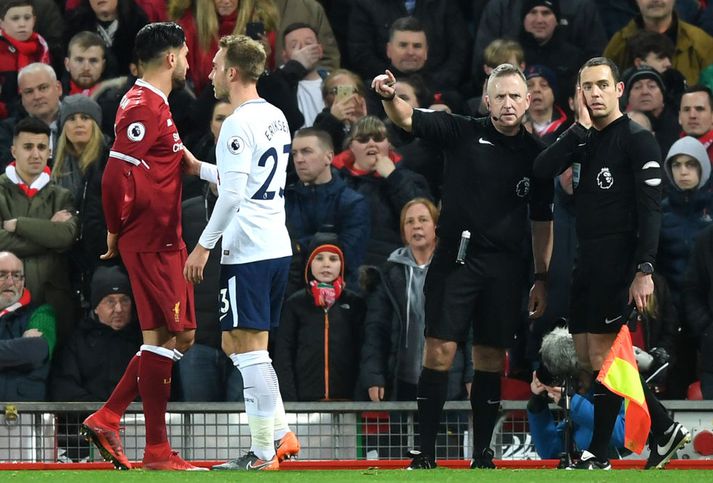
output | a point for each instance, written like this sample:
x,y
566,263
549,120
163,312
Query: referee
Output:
x,y
617,188
489,191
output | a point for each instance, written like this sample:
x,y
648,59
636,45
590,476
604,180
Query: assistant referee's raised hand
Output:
x,y
383,85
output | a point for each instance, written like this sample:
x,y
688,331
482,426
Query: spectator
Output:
x,y
449,40
694,47
548,119
685,211
369,166
499,51
27,336
38,221
206,21
20,46
544,44
320,334
117,22
645,92
579,22
40,94
344,104
697,297
205,372
696,115
82,150
656,50
50,25
155,10
392,355
310,12
94,357
301,57
85,63
321,202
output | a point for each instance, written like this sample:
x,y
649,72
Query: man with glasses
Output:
x,y
27,336
38,221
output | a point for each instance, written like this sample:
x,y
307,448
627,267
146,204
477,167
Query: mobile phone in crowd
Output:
x,y
255,30
343,91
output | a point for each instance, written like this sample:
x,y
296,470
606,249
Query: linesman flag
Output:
x,y
620,375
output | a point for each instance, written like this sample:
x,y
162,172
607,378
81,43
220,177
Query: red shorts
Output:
x,y
162,296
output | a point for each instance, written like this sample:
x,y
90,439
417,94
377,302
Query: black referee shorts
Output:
x,y
486,294
604,269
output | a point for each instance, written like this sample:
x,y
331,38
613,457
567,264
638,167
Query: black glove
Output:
x,y
660,355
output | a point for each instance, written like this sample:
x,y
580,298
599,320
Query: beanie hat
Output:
x,y
692,147
324,294
539,70
643,72
108,280
323,242
553,5
79,103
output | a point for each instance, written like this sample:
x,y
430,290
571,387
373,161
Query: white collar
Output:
x,y
159,92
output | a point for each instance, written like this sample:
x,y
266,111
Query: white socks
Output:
x,y
260,400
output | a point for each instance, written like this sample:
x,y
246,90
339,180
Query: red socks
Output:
x,y
155,389
124,393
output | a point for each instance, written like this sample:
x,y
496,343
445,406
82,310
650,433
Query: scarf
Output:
x,y
36,185
25,299
34,49
325,294
75,89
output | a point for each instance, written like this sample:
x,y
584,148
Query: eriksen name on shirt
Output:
x,y
274,127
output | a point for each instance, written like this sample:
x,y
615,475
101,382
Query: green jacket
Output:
x,y
39,242
694,49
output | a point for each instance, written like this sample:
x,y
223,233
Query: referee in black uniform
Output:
x,y
489,191
616,174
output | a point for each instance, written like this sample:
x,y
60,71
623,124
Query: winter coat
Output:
x,y
448,39
93,360
10,65
317,351
386,326
310,209
694,48
25,361
697,296
386,197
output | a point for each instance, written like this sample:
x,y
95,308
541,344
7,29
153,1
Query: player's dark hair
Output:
x,y
296,26
8,4
700,88
31,125
405,24
595,61
154,39
322,136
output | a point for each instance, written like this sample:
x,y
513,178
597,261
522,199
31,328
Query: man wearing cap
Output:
x,y
27,336
694,47
645,92
548,119
544,43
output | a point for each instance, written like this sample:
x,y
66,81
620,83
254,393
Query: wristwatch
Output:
x,y
646,268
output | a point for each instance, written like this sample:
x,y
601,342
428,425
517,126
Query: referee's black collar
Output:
x,y
492,131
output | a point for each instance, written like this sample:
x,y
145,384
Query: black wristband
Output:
x,y
540,277
386,99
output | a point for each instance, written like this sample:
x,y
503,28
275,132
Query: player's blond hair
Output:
x,y
245,54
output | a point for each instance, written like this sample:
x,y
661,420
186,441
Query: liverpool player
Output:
x,y
251,156
141,195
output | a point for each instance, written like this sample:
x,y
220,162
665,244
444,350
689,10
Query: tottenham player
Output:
x,y
617,190
141,195
251,155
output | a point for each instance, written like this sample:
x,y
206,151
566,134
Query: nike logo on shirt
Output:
x,y
485,141
611,321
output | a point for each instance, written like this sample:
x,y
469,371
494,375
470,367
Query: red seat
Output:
x,y
694,392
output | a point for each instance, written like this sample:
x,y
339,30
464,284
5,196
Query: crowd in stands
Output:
x,y
362,195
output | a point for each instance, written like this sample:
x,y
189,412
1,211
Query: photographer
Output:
x,y
559,369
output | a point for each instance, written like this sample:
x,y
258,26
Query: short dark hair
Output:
x,y
6,5
406,24
645,42
86,39
32,125
700,88
323,136
595,61
296,26
156,38
423,95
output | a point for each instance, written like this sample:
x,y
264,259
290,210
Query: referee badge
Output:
x,y
235,145
136,131
605,180
523,187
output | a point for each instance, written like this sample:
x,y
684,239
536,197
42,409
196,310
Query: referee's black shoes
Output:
x,y
662,448
483,460
589,462
420,461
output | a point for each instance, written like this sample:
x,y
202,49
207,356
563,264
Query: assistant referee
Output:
x,y
489,191
616,175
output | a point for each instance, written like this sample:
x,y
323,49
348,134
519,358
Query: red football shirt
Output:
x,y
141,186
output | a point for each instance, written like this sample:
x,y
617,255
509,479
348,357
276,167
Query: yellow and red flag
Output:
x,y
620,375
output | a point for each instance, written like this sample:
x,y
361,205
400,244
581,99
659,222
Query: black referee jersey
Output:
x,y
616,173
488,182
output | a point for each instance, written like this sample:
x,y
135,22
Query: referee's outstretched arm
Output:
x,y
561,154
398,110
